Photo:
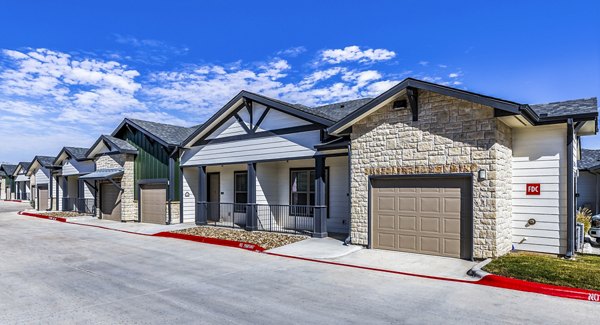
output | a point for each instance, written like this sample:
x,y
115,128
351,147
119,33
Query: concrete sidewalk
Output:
x,y
137,227
334,250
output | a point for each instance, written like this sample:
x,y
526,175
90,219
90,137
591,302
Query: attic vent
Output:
x,y
543,114
342,106
400,104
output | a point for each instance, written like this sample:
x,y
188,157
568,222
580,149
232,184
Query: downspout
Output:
x,y
570,192
171,184
348,239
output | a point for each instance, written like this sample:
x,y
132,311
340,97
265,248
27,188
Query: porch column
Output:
x,y
80,196
57,197
320,216
50,190
65,182
201,206
251,222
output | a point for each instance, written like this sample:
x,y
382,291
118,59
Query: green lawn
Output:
x,y
582,272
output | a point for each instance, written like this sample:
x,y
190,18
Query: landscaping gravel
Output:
x,y
266,240
62,214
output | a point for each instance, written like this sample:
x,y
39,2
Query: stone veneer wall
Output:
x,y
174,211
451,136
129,208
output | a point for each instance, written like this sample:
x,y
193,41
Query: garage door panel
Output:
x,y
387,222
407,223
110,205
153,203
387,203
451,246
430,224
430,204
451,227
430,245
407,243
427,215
386,240
407,204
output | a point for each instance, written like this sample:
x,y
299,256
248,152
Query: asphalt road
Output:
x,y
52,272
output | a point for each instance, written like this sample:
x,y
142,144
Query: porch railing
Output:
x,y
269,217
86,206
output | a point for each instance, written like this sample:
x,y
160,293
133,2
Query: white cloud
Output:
x,y
292,51
454,75
424,63
354,53
60,99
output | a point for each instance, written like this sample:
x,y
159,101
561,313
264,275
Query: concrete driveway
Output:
x,y
53,272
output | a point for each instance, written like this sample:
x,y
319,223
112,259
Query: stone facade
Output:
x,y
451,136
174,212
129,208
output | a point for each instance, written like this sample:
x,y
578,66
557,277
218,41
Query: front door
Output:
x,y
43,199
214,196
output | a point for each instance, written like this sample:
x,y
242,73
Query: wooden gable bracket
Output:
x,y
261,118
412,94
241,122
248,104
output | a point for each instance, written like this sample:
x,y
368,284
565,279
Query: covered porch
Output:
x,y
76,194
307,196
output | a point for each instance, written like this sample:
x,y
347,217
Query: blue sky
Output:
x,y
70,71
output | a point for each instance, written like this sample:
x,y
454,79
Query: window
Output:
x,y
240,185
302,191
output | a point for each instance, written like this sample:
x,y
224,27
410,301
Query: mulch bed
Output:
x,y
267,240
62,214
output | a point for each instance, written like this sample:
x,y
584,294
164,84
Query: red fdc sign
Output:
x,y
533,189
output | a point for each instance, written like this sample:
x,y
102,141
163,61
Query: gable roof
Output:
x,y
114,144
589,158
24,166
76,153
567,108
535,115
165,134
338,111
44,161
237,102
9,169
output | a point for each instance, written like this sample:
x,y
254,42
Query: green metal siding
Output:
x,y
152,160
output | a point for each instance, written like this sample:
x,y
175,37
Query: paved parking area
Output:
x,y
52,272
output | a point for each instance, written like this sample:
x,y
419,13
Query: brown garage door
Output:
x,y
153,200
110,205
422,215
43,199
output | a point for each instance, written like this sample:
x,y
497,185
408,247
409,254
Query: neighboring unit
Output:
x,y
263,164
22,185
39,173
137,172
73,193
588,182
7,182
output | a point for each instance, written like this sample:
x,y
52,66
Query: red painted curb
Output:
x,y
41,216
19,201
214,241
498,281
490,280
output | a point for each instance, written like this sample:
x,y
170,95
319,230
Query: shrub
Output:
x,y
584,216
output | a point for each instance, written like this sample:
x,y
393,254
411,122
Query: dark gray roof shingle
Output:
x,y
77,153
45,161
589,158
568,107
25,165
8,168
121,144
171,134
338,111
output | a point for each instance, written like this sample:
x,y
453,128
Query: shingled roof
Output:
x,y
338,111
171,134
120,144
77,153
8,168
25,165
568,107
45,161
589,158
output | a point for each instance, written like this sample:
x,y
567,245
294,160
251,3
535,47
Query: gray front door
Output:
x,y
214,196
43,199
110,205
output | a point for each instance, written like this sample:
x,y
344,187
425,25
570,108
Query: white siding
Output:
x,y
287,146
42,176
587,184
278,120
230,128
190,181
539,156
74,167
58,180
